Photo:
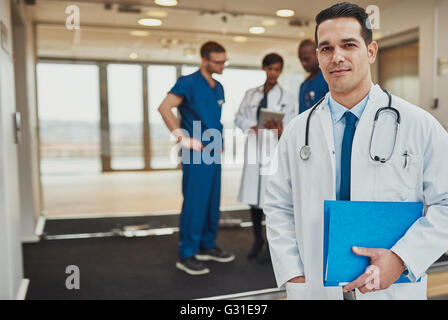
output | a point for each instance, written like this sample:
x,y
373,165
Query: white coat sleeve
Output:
x,y
243,119
279,210
427,239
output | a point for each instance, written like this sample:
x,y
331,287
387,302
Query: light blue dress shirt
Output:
x,y
337,112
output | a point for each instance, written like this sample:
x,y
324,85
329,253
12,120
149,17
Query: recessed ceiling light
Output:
x,y
157,14
239,39
139,33
133,56
268,22
285,13
189,53
166,3
257,30
150,22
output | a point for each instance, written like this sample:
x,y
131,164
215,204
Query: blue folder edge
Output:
x,y
328,204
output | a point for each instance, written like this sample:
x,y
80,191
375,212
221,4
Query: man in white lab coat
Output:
x,y
340,167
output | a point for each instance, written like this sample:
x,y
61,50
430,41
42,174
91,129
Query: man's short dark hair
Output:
x,y
347,10
307,43
271,59
210,47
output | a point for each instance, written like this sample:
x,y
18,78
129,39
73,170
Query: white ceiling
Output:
x,y
105,34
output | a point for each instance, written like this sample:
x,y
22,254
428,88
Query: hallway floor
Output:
x,y
126,192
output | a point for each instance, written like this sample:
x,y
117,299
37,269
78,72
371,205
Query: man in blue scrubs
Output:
x,y
314,87
199,98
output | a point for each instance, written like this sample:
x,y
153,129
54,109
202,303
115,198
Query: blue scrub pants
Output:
x,y
199,219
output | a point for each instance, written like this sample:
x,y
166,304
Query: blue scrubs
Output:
x,y
311,91
201,182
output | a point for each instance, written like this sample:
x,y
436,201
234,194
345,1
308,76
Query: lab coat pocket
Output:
x,y
396,179
411,291
297,291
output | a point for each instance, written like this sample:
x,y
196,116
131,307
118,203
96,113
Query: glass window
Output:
x,y
125,96
69,118
160,80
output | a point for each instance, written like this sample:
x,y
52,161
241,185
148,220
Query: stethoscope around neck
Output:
x,y
305,151
279,102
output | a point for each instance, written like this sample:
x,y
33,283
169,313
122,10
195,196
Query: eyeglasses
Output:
x,y
220,63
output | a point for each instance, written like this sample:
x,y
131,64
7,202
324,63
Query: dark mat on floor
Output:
x,y
96,225
139,268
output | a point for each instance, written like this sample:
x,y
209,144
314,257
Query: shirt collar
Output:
x,y
261,88
337,110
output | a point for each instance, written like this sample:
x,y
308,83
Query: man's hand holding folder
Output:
x,y
359,237
389,268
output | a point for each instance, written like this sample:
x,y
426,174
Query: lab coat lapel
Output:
x,y
362,167
324,115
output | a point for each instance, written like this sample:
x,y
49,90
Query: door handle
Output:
x,y
17,127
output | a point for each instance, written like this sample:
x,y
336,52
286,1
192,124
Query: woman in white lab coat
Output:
x,y
261,142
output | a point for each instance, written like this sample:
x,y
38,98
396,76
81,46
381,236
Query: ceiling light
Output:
x,y
268,22
256,30
166,3
189,53
139,33
157,14
285,13
150,22
133,56
240,39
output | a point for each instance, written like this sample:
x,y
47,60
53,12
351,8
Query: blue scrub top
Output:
x,y
311,91
200,102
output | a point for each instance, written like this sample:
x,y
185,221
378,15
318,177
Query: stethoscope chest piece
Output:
x,y
305,152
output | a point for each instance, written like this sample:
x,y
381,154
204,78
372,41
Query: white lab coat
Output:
x,y
252,187
296,192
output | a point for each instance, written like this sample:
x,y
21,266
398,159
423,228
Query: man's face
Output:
x,y
343,55
308,59
273,71
215,62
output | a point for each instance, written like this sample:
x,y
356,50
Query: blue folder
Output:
x,y
361,224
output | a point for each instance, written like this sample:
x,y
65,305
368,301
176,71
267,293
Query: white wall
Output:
x,y
442,80
10,243
28,149
419,14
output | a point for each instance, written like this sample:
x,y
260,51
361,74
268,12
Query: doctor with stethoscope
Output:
x,y
260,143
359,143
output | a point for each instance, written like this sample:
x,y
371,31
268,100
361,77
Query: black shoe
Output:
x,y
215,254
192,266
256,249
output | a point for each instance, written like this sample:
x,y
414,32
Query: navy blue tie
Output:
x,y
263,104
346,155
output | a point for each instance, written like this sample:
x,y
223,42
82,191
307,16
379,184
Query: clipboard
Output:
x,y
267,115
